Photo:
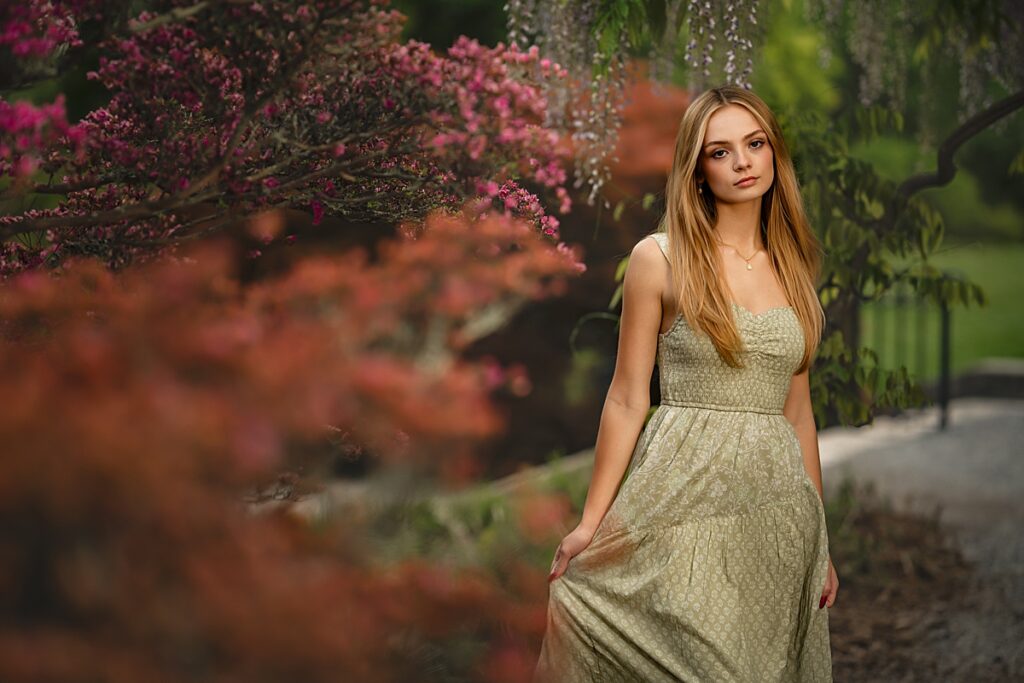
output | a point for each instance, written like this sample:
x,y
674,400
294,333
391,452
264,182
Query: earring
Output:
x,y
700,188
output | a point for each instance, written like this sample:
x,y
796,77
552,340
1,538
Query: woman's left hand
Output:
x,y
828,594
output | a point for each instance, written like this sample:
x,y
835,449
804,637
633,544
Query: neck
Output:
x,y
738,225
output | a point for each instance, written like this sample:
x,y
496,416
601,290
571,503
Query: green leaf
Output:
x,y
1017,165
620,270
616,297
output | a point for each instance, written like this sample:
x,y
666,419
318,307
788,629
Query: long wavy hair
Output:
x,y
792,248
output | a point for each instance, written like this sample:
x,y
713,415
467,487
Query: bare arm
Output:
x,y
798,411
628,398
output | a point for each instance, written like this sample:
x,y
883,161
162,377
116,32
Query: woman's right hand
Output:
x,y
571,546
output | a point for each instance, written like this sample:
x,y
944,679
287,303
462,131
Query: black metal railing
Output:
x,y
907,331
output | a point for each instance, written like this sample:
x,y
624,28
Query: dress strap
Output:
x,y
662,239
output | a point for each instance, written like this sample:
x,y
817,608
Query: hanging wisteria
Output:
x,y
983,38
595,40
737,22
589,108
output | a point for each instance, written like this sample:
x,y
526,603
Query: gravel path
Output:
x,y
973,472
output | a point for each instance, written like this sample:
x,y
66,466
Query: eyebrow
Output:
x,y
725,142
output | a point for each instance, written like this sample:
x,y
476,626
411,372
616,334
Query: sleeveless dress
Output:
x,y
710,562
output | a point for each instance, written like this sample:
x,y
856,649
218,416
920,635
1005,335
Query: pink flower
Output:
x,y
25,166
494,375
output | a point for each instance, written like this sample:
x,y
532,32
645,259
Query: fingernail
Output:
x,y
822,603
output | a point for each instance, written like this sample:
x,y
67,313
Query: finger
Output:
x,y
558,555
557,569
827,594
563,565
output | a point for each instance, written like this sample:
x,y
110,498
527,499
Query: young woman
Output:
x,y
706,559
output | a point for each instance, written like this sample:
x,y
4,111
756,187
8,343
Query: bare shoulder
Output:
x,y
647,263
648,253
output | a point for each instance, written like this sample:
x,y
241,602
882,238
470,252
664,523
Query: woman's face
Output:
x,y
735,147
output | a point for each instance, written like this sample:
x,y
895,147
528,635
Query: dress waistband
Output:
x,y
712,406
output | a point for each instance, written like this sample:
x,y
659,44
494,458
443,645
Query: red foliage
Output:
x,y
142,405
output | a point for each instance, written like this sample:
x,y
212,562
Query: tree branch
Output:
x,y
176,14
283,79
970,128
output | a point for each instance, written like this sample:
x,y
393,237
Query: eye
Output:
x,y
760,143
715,153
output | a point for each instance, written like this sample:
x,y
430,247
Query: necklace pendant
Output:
x,y
750,267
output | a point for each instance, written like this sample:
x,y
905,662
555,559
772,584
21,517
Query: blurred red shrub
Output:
x,y
141,406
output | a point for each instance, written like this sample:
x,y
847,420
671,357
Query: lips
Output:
x,y
743,180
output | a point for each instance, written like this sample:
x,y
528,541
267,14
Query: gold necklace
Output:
x,y
747,259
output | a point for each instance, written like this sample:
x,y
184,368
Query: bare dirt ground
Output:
x,y
930,553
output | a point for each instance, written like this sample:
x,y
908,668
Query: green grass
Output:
x,y
996,330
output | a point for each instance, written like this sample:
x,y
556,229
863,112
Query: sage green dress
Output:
x,y
710,563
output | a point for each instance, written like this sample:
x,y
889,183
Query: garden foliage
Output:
x,y
153,389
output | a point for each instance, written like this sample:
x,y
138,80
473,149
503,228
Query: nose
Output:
x,y
742,161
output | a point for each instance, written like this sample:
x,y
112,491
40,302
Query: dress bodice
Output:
x,y
692,373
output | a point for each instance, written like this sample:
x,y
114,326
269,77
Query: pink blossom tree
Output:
x,y
219,110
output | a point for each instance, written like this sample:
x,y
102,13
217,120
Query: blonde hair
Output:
x,y
792,248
